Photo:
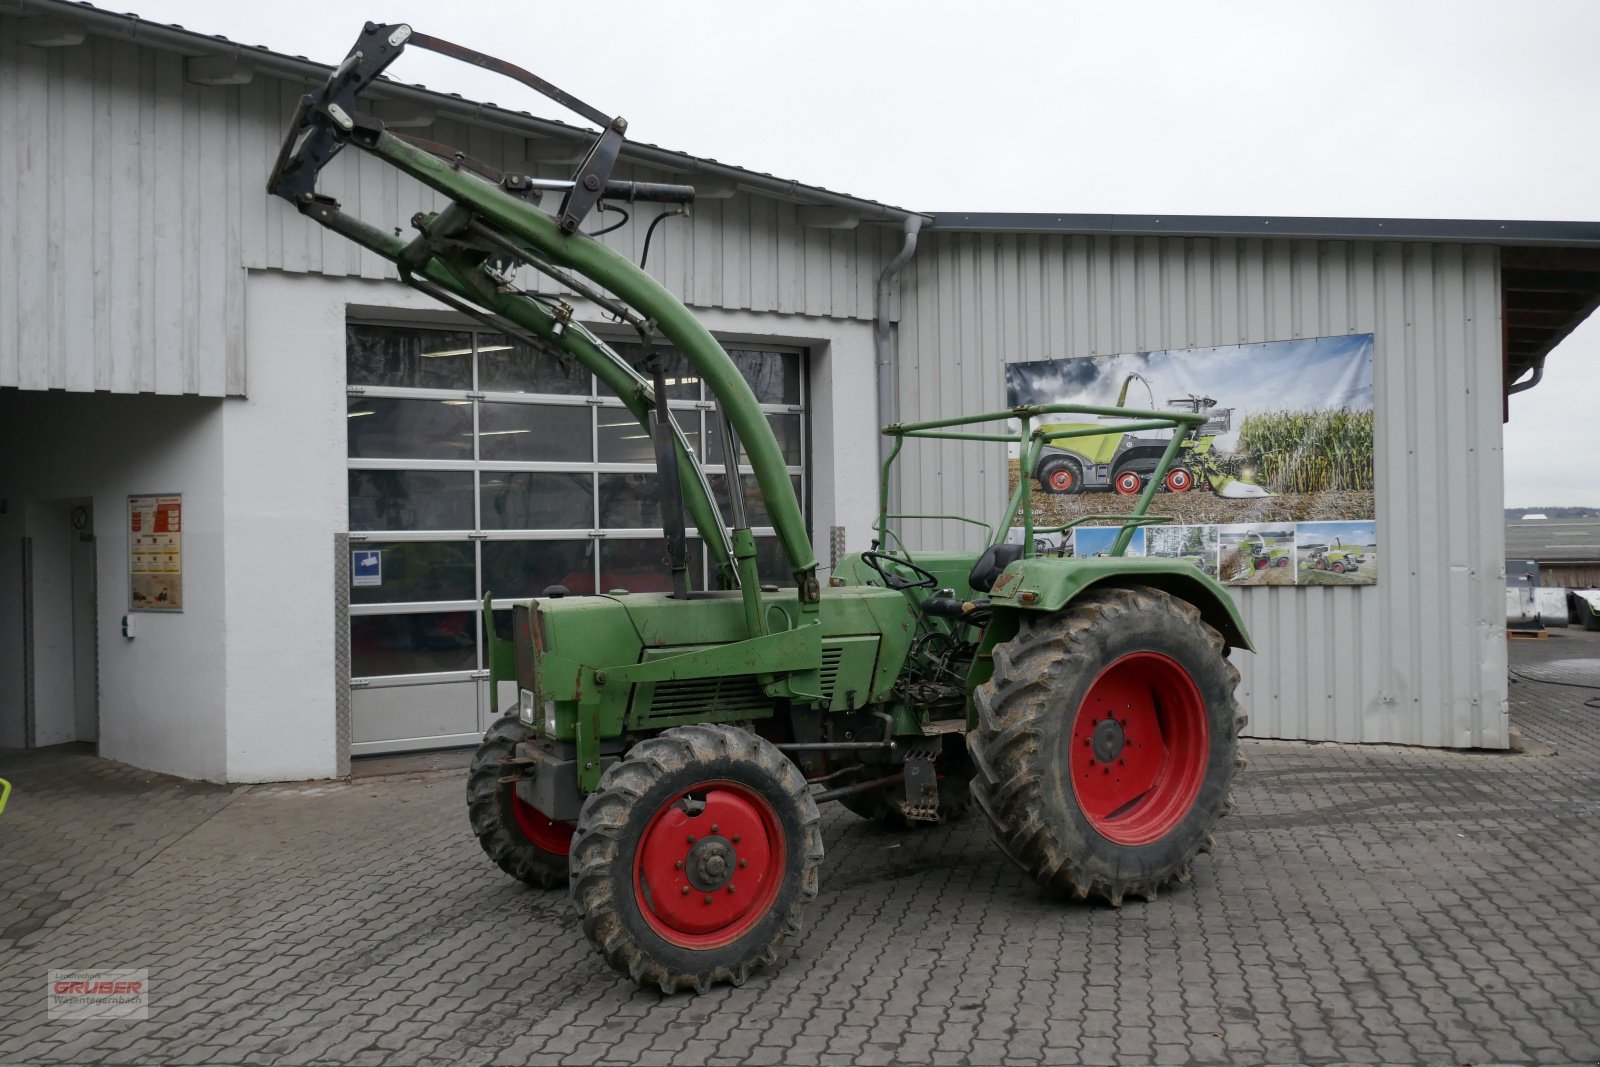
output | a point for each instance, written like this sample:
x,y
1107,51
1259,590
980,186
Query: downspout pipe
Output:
x,y
1529,383
887,406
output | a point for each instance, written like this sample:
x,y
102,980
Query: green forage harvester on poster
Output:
x,y
1275,488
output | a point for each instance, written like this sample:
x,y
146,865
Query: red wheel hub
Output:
x,y
1179,480
709,865
1061,479
1139,748
1129,483
543,831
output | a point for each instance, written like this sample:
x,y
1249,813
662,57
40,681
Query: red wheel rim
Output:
x,y
704,880
1261,563
1129,483
1179,480
543,831
1338,568
1139,748
1321,566
1061,479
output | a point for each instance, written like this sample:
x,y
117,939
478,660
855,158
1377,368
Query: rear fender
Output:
x,y
1045,584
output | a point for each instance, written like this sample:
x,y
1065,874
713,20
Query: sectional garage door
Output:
x,y
478,464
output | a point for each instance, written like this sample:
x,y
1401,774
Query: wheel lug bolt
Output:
x,y
715,828
708,900
685,890
691,839
744,863
680,865
736,839
730,887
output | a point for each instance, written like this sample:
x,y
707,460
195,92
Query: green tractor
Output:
x,y
1337,557
1259,555
668,751
1118,458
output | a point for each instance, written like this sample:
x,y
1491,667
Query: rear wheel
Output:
x,y
1108,743
517,836
1128,483
1338,568
1060,475
1179,480
695,858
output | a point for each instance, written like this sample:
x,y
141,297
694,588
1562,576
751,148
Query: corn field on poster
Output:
x,y
1275,488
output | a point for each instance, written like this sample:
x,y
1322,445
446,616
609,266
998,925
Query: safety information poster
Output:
x,y
155,553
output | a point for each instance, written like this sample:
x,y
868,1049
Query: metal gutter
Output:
x,y
1480,231
883,331
136,30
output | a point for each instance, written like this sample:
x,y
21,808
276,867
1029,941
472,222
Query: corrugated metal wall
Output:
x,y
1419,658
135,201
119,227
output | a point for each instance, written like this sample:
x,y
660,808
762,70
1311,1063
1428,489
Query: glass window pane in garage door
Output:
x,y
481,463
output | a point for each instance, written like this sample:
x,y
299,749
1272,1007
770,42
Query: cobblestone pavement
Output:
x,y
1365,905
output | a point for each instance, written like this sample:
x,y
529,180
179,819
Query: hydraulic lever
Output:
x,y
669,482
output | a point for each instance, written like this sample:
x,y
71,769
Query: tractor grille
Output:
x,y
831,655
709,696
736,694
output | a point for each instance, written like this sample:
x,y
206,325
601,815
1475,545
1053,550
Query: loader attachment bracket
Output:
x,y
328,117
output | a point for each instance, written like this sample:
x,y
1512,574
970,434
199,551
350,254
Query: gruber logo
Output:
x,y
99,993
99,987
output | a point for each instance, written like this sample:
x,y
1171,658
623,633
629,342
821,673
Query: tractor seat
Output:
x,y
990,565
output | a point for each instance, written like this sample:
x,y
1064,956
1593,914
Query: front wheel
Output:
x,y
695,858
1060,475
1127,483
1107,744
519,837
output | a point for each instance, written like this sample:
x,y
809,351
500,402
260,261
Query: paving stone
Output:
x,y
1365,904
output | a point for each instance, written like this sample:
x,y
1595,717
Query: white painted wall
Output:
x,y
162,691
284,492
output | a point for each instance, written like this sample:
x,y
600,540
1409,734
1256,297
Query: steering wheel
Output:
x,y
925,579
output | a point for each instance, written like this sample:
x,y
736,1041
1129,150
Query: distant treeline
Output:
x,y
1309,451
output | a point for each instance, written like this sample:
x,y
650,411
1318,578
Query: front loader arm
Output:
x,y
460,254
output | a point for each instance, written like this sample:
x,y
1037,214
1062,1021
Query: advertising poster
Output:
x,y
1274,488
155,553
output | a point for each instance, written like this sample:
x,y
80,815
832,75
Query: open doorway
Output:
x,y
60,698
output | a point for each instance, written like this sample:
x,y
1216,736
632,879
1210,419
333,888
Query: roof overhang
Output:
x,y
1549,271
215,60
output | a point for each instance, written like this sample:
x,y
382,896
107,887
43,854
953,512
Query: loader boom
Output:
x,y
460,256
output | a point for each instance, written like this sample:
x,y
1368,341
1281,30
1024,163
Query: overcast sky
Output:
x,y
1459,109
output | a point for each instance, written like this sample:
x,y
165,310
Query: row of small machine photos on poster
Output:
x,y
1293,553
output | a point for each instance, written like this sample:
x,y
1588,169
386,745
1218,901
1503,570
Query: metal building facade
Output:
x,y
1420,657
145,170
